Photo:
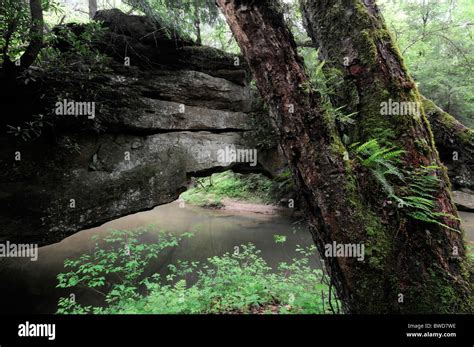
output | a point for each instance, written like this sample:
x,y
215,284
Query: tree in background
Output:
x,y
436,39
92,8
16,18
185,16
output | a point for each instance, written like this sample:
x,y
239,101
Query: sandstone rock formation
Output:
x,y
155,126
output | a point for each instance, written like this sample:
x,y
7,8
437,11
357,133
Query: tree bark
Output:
x,y
402,259
92,8
455,144
197,23
346,56
36,35
356,44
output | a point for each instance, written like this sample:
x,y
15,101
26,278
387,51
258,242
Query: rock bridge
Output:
x,y
158,122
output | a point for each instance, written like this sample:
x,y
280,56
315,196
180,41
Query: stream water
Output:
x,y
29,287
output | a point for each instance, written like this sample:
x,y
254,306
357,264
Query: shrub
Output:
x,y
238,282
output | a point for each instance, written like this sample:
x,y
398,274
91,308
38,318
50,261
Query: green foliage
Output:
x,y
470,252
321,83
382,162
15,21
82,45
238,282
294,20
181,16
209,191
74,68
413,190
119,265
279,238
421,186
325,82
436,41
15,24
219,36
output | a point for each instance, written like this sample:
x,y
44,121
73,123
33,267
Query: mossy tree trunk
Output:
x,y
350,47
409,264
455,144
361,53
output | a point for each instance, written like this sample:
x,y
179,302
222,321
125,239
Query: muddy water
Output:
x,y
29,287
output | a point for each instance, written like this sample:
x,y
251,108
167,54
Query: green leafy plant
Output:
x,y
114,270
238,282
190,14
470,252
279,238
382,162
81,44
420,200
15,25
325,82
412,189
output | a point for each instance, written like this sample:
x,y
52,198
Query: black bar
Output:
x,y
294,330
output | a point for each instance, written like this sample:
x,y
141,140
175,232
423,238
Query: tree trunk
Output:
x,y
350,54
92,8
36,35
409,265
355,43
455,144
197,22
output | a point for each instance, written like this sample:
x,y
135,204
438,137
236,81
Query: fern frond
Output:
x,y
392,170
446,215
383,182
374,156
418,200
369,144
426,218
393,154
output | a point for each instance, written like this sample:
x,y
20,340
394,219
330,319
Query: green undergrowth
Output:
x,y
237,282
255,188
